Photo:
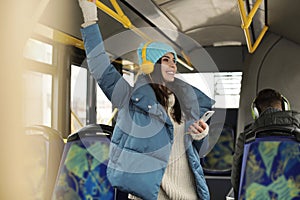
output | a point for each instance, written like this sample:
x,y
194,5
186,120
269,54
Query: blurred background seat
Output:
x,y
46,147
219,160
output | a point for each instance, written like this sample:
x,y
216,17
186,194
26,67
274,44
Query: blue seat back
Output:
x,y
271,169
82,173
219,160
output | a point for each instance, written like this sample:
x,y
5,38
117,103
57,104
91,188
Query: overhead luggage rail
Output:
x,y
246,22
123,19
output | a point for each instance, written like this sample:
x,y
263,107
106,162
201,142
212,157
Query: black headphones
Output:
x,y
255,113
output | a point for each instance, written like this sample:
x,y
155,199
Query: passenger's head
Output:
x,y
158,60
268,98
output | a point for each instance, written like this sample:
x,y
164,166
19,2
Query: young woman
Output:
x,y
158,134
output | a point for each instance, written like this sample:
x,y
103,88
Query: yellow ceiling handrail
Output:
x,y
64,38
247,20
118,9
252,13
123,19
120,17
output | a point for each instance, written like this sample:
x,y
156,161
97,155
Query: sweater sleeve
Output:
x,y
200,136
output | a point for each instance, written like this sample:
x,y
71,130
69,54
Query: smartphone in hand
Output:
x,y
207,115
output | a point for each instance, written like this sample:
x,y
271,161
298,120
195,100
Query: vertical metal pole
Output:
x,y
91,114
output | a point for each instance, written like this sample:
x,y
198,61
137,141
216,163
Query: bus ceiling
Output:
x,y
209,23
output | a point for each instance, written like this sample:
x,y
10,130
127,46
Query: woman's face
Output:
x,y
168,67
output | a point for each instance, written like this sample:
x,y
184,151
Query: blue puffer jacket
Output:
x,y
143,135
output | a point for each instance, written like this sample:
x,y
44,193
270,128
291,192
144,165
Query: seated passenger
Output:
x,y
269,108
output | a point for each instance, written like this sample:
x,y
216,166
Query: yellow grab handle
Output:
x,y
246,21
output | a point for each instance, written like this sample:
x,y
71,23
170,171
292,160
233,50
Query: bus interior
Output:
x,y
230,49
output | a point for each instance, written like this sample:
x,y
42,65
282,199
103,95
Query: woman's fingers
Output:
x,y
197,127
202,124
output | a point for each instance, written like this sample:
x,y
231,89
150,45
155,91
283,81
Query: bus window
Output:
x,y
224,87
227,87
37,95
38,51
104,107
78,97
37,82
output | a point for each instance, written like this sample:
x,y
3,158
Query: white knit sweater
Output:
x,y
178,180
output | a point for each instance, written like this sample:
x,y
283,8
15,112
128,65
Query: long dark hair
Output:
x,y
162,93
